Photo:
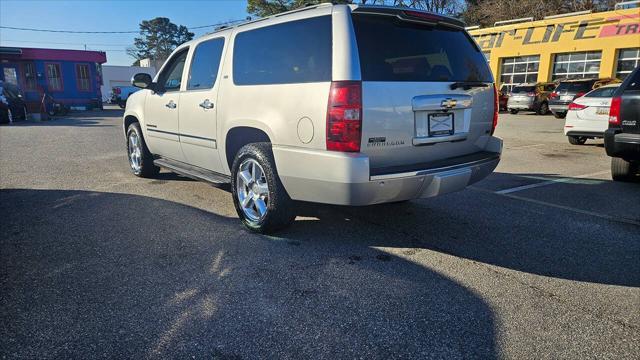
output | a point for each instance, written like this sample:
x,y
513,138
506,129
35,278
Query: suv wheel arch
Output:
x,y
239,136
128,120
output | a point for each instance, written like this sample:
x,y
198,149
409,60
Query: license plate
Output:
x,y
440,124
566,97
602,111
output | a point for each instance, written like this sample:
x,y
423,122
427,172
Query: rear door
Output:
x,y
198,106
411,112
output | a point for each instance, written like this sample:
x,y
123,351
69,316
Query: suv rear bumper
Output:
x,y
344,178
622,145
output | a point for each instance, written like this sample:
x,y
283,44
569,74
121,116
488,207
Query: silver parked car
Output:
x,y
532,97
335,104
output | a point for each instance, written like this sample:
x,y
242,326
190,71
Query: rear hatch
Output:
x,y
595,105
522,95
566,92
427,92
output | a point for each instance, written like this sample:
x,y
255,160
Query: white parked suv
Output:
x,y
335,104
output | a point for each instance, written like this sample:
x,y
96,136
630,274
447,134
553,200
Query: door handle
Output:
x,y
171,105
206,104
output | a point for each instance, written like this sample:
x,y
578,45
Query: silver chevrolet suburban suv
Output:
x,y
334,104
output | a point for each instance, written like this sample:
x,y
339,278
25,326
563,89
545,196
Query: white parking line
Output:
x,y
550,182
580,211
563,207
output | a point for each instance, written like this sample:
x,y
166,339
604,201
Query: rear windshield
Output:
x,y
523,89
394,50
582,86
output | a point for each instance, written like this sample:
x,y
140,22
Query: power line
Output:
x,y
111,32
69,31
63,43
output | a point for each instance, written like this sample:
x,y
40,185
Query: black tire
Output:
x,y
622,170
280,208
543,109
577,140
513,111
560,115
147,168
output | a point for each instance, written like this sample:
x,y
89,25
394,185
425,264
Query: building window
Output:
x,y
628,59
578,65
54,77
10,75
83,78
519,70
30,76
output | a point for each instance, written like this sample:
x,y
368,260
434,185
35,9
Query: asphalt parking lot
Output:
x,y
540,260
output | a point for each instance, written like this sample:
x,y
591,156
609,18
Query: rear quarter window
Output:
x,y
394,50
292,52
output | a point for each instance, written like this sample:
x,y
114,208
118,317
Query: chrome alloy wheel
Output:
x,y
135,152
252,190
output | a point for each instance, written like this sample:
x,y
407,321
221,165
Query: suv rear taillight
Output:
x,y
614,111
344,116
553,95
116,91
579,94
496,109
531,94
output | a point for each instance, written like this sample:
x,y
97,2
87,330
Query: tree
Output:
x,y
158,38
487,12
263,8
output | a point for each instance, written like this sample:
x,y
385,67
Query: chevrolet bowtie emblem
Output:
x,y
448,103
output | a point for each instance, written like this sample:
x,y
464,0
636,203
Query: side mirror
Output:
x,y
142,80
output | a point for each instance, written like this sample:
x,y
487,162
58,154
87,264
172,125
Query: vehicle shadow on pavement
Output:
x,y
87,274
518,234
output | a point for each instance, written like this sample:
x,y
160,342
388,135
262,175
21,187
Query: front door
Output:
x,y
162,109
198,106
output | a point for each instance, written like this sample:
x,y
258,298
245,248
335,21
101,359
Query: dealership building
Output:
x,y
577,45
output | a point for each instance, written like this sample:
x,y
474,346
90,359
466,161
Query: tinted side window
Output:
x,y
205,64
292,52
171,77
395,50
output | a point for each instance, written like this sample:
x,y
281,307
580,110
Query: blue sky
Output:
x,y
114,15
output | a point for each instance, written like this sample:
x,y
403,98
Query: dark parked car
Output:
x,y
622,138
532,97
12,105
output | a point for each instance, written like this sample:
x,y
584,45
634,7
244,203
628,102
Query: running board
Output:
x,y
193,172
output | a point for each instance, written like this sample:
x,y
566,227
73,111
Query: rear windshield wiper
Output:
x,y
466,85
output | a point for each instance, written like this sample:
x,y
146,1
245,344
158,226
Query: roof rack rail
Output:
x,y
627,4
584,12
513,21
